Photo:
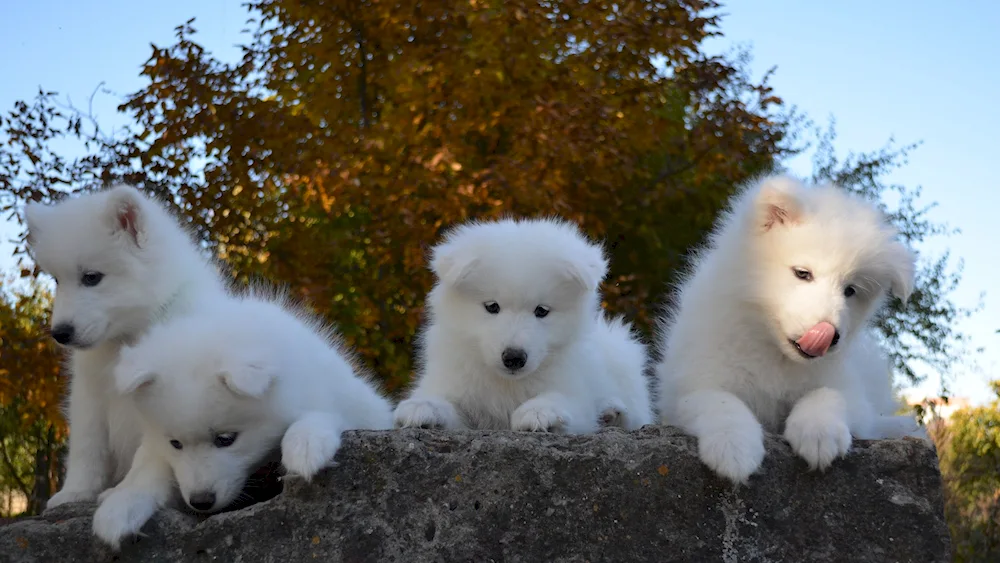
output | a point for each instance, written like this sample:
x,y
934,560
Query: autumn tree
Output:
x,y
32,428
352,133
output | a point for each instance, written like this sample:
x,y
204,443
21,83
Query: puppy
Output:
x,y
121,264
516,338
217,391
772,329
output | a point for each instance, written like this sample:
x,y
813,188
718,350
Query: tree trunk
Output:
x,y
42,489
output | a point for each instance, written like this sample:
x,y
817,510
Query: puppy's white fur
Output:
x,y
251,370
729,370
579,370
151,269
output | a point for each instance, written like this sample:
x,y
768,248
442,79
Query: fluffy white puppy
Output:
x,y
216,391
121,263
771,329
516,338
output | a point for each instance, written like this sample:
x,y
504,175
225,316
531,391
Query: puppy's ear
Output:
x,y
902,270
125,213
249,378
589,270
34,213
451,264
777,202
130,375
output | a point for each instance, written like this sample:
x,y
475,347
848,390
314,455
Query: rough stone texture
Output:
x,y
423,496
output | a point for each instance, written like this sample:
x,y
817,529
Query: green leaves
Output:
x,y
969,449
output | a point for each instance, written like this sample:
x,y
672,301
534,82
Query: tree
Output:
x,y
969,449
352,133
32,428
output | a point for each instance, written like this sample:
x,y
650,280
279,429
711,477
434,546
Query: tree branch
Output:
x,y
21,485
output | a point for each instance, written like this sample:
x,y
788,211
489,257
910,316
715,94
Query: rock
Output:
x,y
421,496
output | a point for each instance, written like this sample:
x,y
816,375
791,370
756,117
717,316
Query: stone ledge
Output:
x,y
421,496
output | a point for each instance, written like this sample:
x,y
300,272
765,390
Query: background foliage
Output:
x,y
32,429
352,133
969,448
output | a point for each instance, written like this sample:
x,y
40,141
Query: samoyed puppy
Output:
x,y
771,329
516,338
217,391
122,264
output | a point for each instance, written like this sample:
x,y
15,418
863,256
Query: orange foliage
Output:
x,y
353,132
30,380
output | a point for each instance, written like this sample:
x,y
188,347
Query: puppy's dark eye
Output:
x,y
225,439
90,279
541,311
177,444
492,307
803,274
849,291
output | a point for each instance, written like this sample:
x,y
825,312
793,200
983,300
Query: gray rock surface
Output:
x,y
427,496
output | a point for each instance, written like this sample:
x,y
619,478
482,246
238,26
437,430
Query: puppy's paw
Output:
x,y
818,440
66,496
426,413
309,446
734,453
612,413
104,495
539,418
121,515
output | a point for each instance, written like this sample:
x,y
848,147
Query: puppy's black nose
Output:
x,y
514,358
836,338
63,333
202,500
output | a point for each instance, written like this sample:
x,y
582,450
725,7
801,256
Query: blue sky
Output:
x,y
916,71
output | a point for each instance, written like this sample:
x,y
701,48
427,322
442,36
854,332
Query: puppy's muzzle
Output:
x,y
514,358
202,500
63,333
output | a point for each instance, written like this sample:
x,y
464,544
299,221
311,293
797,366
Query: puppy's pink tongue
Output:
x,y
817,340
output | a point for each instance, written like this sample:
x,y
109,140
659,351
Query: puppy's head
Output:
x,y
204,407
92,245
822,261
516,291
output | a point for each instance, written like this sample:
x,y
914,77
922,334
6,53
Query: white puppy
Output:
x,y
217,391
122,264
516,338
771,329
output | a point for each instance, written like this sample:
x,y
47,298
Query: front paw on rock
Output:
x,y
419,413
120,517
539,419
734,455
819,443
